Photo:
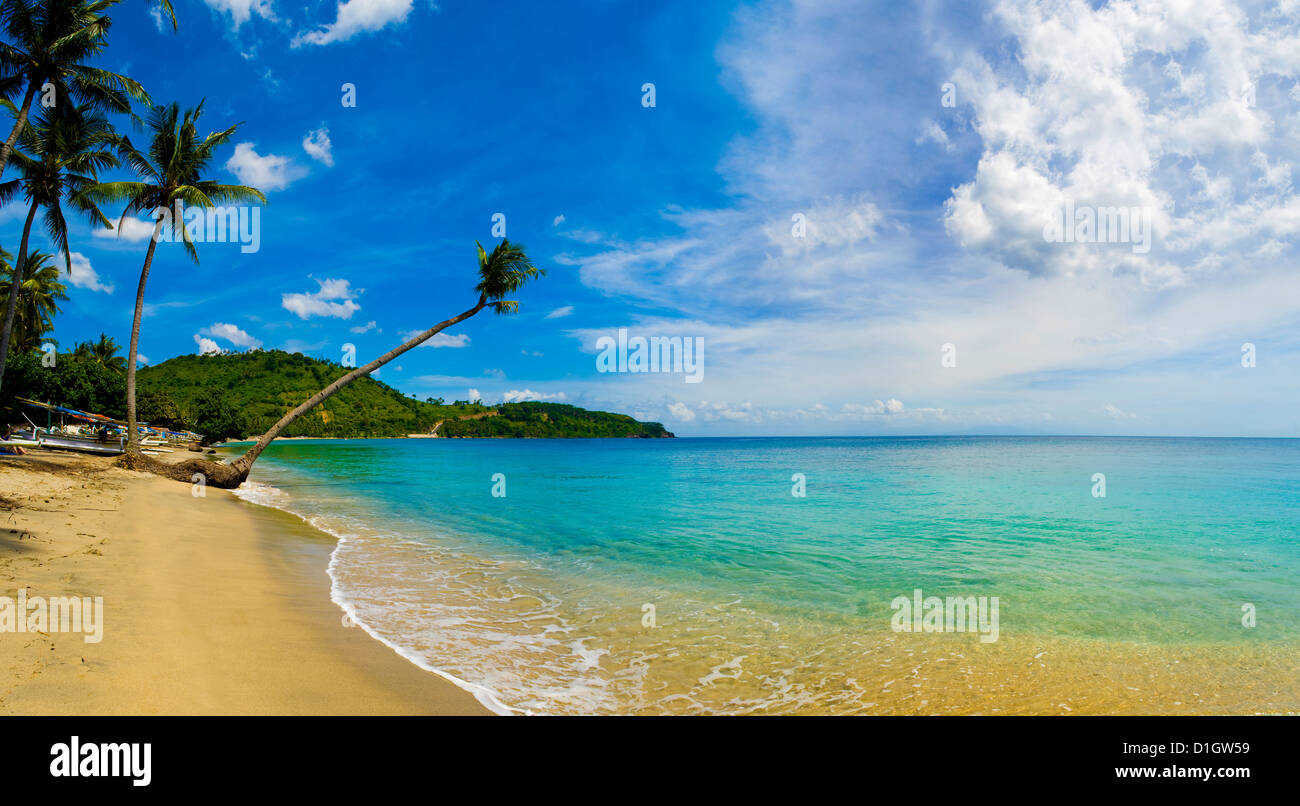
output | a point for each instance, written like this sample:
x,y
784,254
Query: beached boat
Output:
x,y
94,433
106,443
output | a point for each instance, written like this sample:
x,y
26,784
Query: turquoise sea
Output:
x,y
654,576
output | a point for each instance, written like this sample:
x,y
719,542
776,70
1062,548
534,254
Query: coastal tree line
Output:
x,y
47,63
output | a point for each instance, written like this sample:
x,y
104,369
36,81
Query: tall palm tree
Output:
x,y
52,41
501,273
171,171
60,157
38,302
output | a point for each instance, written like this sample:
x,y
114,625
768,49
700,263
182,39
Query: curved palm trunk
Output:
x,y
14,292
245,463
133,436
8,146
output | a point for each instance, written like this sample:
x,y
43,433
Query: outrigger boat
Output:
x,y
94,433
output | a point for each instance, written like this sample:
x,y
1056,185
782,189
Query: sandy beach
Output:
x,y
211,605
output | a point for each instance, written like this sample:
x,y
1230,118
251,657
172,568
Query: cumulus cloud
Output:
x,y
1130,105
474,395
366,328
85,276
267,173
231,333
318,146
335,298
681,411
206,346
356,17
558,220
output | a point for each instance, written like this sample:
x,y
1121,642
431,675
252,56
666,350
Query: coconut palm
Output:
x,y
171,172
103,352
51,42
501,273
60,157
38,301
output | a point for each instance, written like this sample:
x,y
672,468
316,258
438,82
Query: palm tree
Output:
x,y
52,41
61,156
171,172
38,301
501,273
103,352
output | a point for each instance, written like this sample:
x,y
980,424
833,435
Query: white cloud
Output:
x,y
140,360
231,333
559,313
681,411
933,132
891,406
443,339
520,395
206,346
317,144
474,395
355,17
131,230
336,298
240,11
266,173
366,328
84,276
558,220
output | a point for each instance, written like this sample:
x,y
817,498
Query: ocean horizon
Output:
x,y
768,574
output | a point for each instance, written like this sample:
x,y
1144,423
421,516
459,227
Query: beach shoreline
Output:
x,y
211,604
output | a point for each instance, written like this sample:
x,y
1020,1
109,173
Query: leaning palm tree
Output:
x,y
38,302
52,42
501,273
171,172
60,157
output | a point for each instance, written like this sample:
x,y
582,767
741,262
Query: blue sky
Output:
x,y
924,206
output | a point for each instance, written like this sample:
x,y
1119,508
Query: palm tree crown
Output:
x,y
38,301
503,272
172,169
59,158
47,46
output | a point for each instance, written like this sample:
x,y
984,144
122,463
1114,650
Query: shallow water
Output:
x,y
766,602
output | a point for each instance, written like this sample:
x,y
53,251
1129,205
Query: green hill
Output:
x,y
242,394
